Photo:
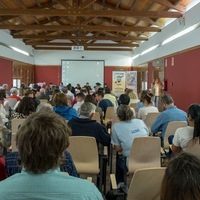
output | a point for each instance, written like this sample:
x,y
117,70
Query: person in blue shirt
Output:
x,y
41,141
61,107
171,113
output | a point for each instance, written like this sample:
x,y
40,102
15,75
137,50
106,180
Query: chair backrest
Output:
x,y
145,153
110,112
146,184
150,119
43,100
12,102
96,116
15,124
171,129
84,152
193,147
13,143
133,105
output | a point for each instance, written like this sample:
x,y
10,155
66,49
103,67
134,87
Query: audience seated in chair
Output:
x,y
13,94
61,107
103,103
25,107
123,134
84,126
171,113
13,164
42,140
79,101
148,107
182,179
185,134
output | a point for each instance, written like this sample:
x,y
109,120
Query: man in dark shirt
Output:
x,y
103,103
84,126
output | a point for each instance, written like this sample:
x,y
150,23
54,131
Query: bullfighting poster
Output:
x,y
118,82
131,80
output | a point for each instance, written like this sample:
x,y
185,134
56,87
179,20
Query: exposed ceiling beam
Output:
x,y
81,28
168,4
53,37
89,44
90,49
87,3
93,13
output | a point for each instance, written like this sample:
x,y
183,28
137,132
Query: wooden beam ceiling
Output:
x,y
90,13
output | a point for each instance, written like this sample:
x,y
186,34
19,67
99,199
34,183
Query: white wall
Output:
x,y
113,58
187,41
6,52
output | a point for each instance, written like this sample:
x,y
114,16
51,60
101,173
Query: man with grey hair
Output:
x,y
85,126
171,113
13,94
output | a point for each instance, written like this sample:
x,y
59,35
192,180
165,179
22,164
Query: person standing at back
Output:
x,y
42,140
171,113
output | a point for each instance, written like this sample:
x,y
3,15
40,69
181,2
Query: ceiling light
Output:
x,y
187,30
150,49
19,50
136,56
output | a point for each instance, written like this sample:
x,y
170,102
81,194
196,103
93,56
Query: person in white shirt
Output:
x,y
183,135
80,100
148,107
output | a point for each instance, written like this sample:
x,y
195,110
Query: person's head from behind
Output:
x,y
42,91
90,98
143,93
28,93
167,101
44,107
64,90
60,99
80,97
124,113
41,141
124,99
194,118
87,109
13,91
182,179
26,106
2,93
148,99
107,90
131,94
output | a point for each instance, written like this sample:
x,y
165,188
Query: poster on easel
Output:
x,y
131,80
118,82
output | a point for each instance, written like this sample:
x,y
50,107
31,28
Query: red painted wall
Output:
x,y
6,72
48,74
150,72
108,76
182,73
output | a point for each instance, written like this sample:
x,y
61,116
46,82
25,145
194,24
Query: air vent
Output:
x,y
77,48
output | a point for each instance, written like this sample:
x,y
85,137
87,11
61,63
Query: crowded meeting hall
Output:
x,y
99,100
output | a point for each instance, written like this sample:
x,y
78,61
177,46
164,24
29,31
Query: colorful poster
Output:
x,y
131,80
118,82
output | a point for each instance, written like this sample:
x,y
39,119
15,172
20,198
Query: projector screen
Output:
x,y
82,71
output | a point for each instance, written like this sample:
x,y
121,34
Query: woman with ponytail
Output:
x,y
123,134
184,135
148,106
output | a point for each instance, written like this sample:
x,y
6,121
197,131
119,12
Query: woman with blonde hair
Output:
x,y
133,96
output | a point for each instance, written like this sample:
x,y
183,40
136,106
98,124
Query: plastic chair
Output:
x,y
145,153
146,184
96,116
110,113
15,123
12,102
171,129
150,119
85,155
